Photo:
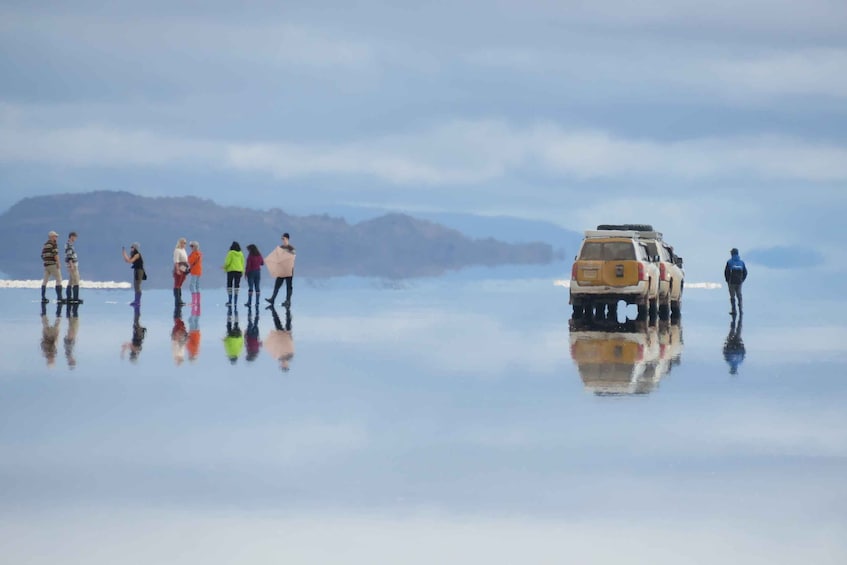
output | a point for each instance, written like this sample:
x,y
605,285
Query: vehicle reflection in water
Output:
x,y
139,332
733,348
624,358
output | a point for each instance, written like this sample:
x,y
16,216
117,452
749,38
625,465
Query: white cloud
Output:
x,y
801,72
454,153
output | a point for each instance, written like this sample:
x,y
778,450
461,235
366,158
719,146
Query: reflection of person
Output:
x,y
733,348
253,272
139,332
195,261
50,259
179,337
287,276
279,342
136,260
735,273
234,267
192,344
70,335
180,270
234,340
251,336
72,262
50,334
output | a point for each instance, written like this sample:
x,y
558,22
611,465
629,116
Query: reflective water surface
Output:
x,y
456,420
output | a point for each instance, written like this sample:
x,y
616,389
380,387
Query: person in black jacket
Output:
x,y
136,261
735,273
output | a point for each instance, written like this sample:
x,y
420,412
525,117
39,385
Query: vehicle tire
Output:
x,y
665,307
578,311
654,308
676,308
642,312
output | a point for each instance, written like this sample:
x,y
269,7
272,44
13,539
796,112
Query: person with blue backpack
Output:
x,y
735,273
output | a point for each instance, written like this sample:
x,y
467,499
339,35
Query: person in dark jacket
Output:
x,y
287,276
136,261
735,273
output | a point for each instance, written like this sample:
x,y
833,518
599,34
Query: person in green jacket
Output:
x,y
234,267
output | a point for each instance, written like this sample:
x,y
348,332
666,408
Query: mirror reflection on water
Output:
x,y
457,415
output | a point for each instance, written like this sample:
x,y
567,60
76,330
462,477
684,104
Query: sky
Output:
x,y
721,123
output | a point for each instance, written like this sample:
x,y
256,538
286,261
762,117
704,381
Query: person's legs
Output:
x,y
139,276
733,290
738,294
236,283
230,281
73,283
44,299
289,287
250,284
57,274
277,284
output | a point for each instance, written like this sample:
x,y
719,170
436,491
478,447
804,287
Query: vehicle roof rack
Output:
x,y
631,234
625,227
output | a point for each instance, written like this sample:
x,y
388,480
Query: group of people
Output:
x,y
235,266
280,262
185,265
53,269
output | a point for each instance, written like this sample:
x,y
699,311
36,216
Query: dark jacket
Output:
x,y
735,271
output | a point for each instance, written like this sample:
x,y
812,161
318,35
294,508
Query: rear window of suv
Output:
x,y
607,251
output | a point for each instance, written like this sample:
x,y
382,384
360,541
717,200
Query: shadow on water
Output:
x,y
733,347
624,358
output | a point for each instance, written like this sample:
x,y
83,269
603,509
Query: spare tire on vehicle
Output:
x,y
626,227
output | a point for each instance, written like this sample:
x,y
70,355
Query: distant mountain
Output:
x,y
389,246
565,242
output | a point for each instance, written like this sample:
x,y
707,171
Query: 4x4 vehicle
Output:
x,y
671,275
613,265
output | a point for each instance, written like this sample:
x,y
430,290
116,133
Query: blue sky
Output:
x,y
721,123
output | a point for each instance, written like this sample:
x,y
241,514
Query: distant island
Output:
x,y
391,246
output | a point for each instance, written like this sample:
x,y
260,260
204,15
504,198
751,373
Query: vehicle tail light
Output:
x,y
662,272
642,274
573,272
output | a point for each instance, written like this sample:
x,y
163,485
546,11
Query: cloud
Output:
x,y
460,152
788,73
